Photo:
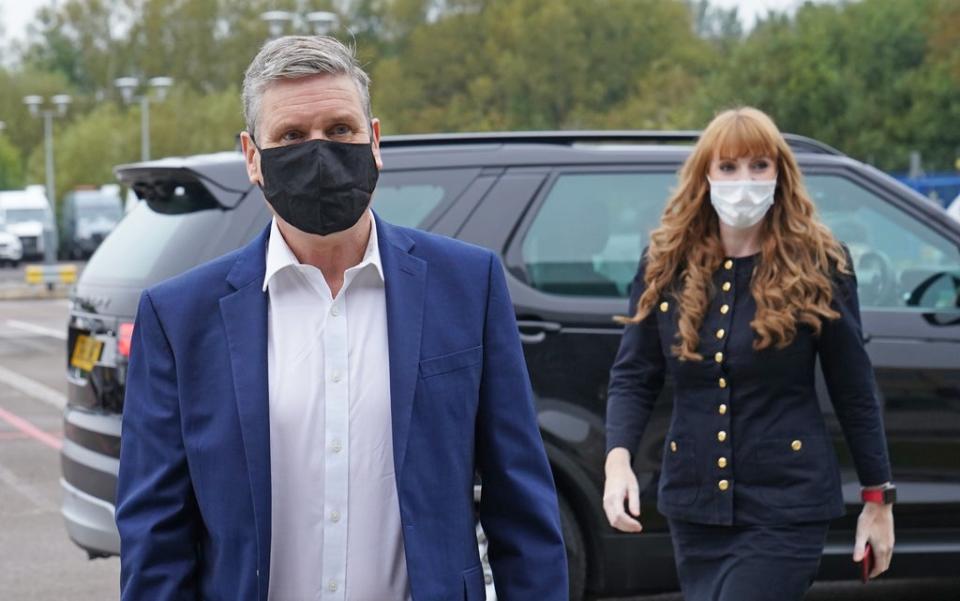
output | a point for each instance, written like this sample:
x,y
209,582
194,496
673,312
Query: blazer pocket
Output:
x,y
679,484
474,587
443,364
793,472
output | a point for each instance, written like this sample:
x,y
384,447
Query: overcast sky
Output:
x,y
15,14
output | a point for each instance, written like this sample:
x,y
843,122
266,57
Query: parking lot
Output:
x,y
41,564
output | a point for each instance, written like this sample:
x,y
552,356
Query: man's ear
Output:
x,y
251,157
375,141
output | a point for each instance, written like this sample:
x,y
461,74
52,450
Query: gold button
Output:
x,y
726,286
723,383
722,409
664,306
673,446
721,436
722,462
724,309
720,333
723,484
796,445
718,357
728,264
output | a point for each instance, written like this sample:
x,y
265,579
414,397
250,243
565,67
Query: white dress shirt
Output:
x,y
335,516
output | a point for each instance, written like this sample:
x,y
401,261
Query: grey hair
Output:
x,y
293,57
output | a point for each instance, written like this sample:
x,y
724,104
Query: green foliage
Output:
x,y
875,78
11,171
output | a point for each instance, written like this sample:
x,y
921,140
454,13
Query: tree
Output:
x,y
11,169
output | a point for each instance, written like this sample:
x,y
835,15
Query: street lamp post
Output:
x,y
34,103
128,87
321,22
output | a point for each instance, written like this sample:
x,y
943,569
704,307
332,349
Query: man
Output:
x,y
304,416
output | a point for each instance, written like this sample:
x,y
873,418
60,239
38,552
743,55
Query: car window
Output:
x,y
408,198
900,262
588,233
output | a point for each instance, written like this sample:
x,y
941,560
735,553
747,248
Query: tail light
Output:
x,y
124,339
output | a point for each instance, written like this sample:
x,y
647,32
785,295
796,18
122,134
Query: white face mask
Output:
x,y
742,203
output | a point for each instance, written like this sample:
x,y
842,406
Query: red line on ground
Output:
x,y
30,430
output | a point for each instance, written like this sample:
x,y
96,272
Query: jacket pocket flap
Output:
x,y
435,366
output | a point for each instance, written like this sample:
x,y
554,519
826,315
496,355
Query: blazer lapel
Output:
x,y
405,279
244,314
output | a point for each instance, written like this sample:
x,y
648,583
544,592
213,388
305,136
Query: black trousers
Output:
x,y
747,563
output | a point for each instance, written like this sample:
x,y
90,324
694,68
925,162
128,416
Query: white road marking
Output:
x,y
35,329
32,388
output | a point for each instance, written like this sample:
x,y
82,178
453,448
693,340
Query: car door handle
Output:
x,y
542,328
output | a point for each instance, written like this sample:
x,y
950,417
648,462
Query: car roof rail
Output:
x,y
796,142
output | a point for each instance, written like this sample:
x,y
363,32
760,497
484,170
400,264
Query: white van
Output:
x,y
26,214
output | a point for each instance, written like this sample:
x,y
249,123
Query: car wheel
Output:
x,y
576,552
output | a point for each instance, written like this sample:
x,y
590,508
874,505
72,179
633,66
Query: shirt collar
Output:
x,y
279,255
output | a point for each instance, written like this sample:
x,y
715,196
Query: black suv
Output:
x,y
569,214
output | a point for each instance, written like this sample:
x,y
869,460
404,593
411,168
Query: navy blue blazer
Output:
x,y
193,498
747,442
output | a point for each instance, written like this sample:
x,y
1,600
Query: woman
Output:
x,y
738,294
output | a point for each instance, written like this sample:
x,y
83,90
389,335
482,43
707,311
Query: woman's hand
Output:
x,y
875,526
621,485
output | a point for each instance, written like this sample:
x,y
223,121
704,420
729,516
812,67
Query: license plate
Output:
x,y
86,352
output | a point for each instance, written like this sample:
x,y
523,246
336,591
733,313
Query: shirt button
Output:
x,y
718,357
728,264
727,286
722,409
336,446
720,333
796,445
335,311
334,516
721,436
722,462
724,309
336,376
723,484
664,306
723,383
332,587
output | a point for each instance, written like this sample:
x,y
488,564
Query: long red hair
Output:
x,y
792,277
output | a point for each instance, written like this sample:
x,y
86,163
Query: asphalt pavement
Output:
x,y
37,560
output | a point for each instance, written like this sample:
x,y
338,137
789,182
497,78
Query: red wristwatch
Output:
x,y
883,496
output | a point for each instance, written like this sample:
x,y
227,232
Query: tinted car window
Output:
x,y
900,262
590,229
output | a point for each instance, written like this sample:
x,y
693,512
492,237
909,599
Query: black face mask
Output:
x,y
319,187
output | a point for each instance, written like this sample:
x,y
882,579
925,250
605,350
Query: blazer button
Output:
x,y
727,286
721,436
722,409
796,445
673,446
722,462
723,383
664,306
718,357
723,484
720,333
724,309
728,264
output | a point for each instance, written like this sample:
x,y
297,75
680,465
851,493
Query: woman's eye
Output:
x,y
727,167
761,165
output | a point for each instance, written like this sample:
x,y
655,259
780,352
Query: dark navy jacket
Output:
x,y
747,442
194,486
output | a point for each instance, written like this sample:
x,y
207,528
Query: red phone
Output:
x,y
867,563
